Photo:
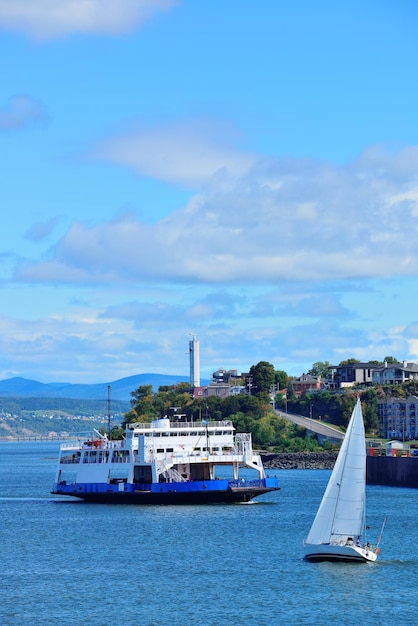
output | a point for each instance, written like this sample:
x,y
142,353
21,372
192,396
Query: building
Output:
x,y
225,376
218,389
350,374
398,418
395,373
306,384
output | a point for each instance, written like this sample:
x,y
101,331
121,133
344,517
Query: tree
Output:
x,y
143,407
391,360
281,379
262,376
350,362
370,410
320,368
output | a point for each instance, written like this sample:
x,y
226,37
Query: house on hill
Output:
x,y
350,374
395,373
305,384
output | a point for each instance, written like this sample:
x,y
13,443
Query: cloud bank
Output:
x,y
51,19
276,220
186,153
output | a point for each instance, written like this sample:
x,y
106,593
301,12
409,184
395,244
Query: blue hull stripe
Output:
x,y
215,487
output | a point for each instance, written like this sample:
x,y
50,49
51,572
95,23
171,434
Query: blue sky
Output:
x,y
243,171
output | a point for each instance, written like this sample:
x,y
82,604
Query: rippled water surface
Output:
x,y
67,562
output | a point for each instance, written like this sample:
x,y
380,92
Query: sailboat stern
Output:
x,y
339,552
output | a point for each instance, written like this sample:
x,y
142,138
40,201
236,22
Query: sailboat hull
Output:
x,y
335,552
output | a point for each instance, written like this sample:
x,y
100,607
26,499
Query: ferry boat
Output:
x,y
164,462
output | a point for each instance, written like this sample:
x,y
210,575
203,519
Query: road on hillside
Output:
x,y
312,425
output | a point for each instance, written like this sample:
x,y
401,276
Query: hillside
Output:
x,y
31,408
119,389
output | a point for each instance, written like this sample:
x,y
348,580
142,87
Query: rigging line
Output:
x,y
381,533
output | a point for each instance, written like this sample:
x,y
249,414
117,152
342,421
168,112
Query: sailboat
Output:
x,y
337,531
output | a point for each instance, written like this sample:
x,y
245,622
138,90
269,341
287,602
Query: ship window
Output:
x,y
70,458
160,450
120,456
118,475
90,456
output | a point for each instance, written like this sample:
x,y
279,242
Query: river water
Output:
x,y
68,562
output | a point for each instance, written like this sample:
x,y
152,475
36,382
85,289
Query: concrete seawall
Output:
x,y
380,470
393,471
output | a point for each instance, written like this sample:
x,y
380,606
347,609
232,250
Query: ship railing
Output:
x,y
173,476
93,445
180,425
197,457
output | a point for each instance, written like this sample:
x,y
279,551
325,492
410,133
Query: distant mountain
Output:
x,y
119,389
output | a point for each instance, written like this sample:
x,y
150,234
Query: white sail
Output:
x,y
342,510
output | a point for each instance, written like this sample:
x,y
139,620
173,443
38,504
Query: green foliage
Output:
x,y
320,368
281,379
322,405
117,432
147,405
349,361
144,409
370,412
391,360
263,377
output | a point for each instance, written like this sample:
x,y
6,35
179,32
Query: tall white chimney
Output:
x,y
194,350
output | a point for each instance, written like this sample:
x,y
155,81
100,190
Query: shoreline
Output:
x,y
298,460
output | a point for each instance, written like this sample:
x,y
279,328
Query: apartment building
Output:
x,y
398,418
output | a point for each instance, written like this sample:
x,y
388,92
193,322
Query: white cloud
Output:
x,y
139,330
185,153
49,19
317,222
22,111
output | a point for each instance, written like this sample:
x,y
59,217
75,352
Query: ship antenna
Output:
x,y
108,411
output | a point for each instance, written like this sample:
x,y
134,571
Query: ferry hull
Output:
x,y
169,493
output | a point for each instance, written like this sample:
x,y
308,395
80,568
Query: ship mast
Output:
x,y
108,412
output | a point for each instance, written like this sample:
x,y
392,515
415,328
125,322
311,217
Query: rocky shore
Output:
x,y
299,460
